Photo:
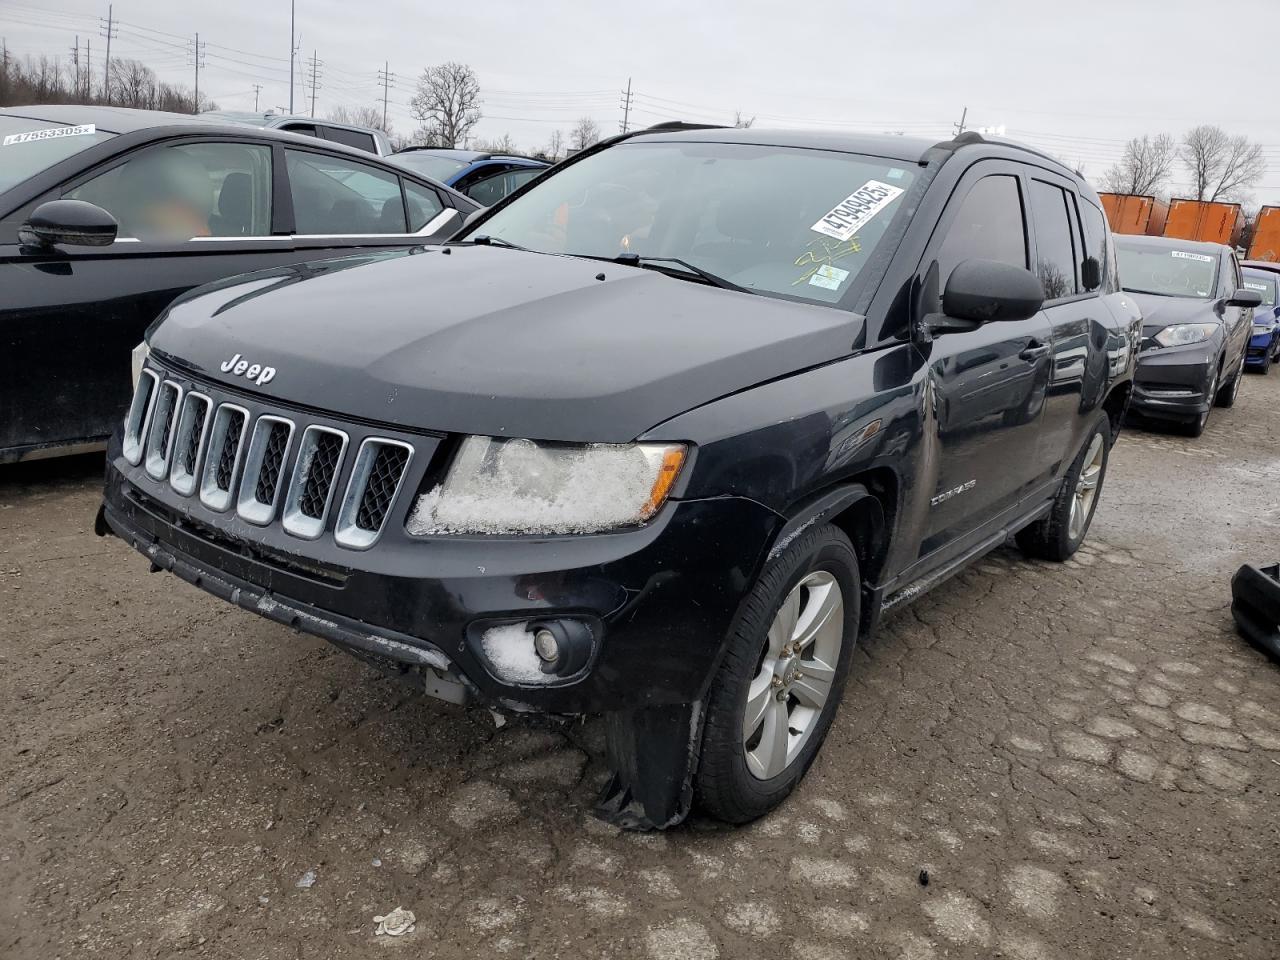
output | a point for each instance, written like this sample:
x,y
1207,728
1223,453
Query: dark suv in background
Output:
x,y
660,437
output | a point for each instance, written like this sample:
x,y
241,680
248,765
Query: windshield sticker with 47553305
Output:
x,y
53,133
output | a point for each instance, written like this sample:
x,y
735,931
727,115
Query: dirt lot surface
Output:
x,y
1085,758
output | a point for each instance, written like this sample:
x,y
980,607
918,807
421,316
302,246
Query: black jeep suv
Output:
x,y
660,436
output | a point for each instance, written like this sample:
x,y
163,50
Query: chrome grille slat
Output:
x,y
263,466
223,455
193,422
380,468
315,475
160,430
136,420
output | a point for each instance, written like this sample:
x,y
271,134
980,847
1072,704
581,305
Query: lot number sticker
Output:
x,y
1260,287
53,133
857,210
1191,256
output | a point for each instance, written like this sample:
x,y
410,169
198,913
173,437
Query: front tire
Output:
x,y
776,692
1059,534
1227,395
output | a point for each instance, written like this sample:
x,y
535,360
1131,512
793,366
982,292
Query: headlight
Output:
x,y
519,486
139,357
1181,334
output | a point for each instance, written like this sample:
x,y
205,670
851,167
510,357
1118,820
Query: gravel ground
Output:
x,y
1084,757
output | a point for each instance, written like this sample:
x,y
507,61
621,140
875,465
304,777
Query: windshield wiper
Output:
x,y
688,270
486,240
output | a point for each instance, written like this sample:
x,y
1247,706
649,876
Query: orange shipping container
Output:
x,y
1266,235
1133,214
1202,220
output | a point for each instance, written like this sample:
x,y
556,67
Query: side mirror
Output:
x,y
984,291
1091,273
74,222
1245,298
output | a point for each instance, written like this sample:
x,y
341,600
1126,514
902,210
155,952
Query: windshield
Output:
x,y
1169,273
1264,284
776,220
438,168
29,146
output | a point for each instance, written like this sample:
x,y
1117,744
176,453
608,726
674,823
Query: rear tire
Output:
x,y
741,776
1059,534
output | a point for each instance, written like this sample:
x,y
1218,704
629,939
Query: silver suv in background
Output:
x,y
362,138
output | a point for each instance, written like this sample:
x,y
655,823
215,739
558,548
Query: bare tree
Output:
x,y
740,121
1221,166
369,117
555,146
447,103
1145,167
133,84
585,133
505,144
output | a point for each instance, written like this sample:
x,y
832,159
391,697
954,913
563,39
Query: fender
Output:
x,y
821,507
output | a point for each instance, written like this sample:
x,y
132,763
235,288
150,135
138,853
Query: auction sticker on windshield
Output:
x,y
857,210
53,133
828,277
1190,256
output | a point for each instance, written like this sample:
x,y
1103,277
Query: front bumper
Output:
x,y
661,598
1259,347
1173,382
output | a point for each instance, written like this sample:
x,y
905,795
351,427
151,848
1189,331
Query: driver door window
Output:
x,y
333,196
989,225
187,190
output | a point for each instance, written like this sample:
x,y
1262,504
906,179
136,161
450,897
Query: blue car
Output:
x,y
484,177
1264,345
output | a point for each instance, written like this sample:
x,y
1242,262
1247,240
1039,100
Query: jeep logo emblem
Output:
x,y
237,366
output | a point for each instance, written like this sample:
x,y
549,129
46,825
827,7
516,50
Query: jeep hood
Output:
x,y
496,341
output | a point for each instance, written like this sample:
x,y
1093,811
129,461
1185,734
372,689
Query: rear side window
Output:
x,y
188,190
351,138
1095,240
424,206
988,225
334,195
1055,255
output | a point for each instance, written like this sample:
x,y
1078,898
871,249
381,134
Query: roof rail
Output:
x,y
970,137
682,125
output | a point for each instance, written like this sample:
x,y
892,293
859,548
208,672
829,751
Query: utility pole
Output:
x,y
292,50
107,29
316,63
385,77
198,58
75,62
626,106
257,89
960,126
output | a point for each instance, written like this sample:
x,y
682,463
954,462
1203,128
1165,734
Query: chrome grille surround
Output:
x,y
260,483
315,475
223,455
160,432
135,421
380,464
188,442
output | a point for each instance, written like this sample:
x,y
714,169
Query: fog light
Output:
x,y
545,643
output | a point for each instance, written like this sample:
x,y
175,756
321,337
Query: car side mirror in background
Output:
x,y
74,222
984,291
1091,273
1245,298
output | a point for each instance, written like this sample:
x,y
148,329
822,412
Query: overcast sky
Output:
x,y
1075,78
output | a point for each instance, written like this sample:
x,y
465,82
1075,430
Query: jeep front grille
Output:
x,y
230,456
379,470
306,507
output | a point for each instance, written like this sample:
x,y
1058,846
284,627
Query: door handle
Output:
x,y
1034,351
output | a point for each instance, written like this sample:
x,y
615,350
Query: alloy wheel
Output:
x,y
797,668
1086,491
